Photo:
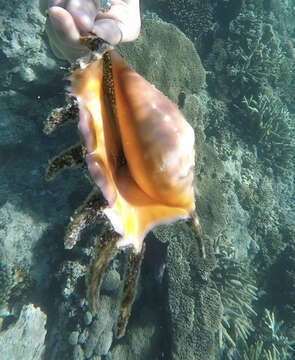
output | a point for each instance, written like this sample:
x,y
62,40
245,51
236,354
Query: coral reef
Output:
x,y
270,341
244,199
250,57
81,334
16,279
256,73
283,295
30,328
194,18
269,119
23,55
195,308
238,292
245,334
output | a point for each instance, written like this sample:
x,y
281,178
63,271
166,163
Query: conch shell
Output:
x,y
140,149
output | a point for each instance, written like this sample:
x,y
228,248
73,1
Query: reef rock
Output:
x,y
25,339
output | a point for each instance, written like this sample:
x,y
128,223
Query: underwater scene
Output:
x,y
147,188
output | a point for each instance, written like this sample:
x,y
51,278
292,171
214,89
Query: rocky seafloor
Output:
x,y
235,304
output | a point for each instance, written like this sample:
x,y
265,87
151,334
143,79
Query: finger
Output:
x,y
61,3
83,13
63,35
44,5
56,51
64,50
109,30
130,33
127,16
63,25
54,41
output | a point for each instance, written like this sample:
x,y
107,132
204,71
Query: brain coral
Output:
x,y
172,64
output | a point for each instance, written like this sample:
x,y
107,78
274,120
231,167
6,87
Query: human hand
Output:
x,y
67,20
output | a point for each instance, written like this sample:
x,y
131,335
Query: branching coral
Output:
x,y
258,57
269,119
250,57
251,67
237,291
271,342
238,337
